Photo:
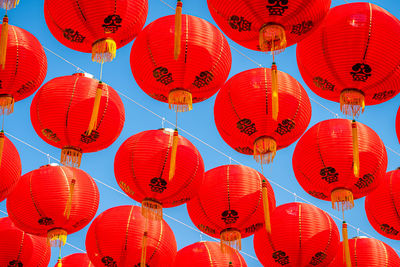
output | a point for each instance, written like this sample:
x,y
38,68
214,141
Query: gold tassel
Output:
x,y
266,207
274,91
8,4
71,156
272,38
104,50
264,149
2,137
57,237
6,104
356,155
342,199
178,29
67,211
230,264
96,107
352,102
174,148
180,100
3,42
144,250
231,238
346,247
59,262
152,209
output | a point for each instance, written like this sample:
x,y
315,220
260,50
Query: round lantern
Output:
x,y
18,248
148,172
367,252
243,113
398,124
99,27
122,237
23,69
302,235
231,202
53,201
10,166
77,114
76,260
207,253
352,57
383,204
195,75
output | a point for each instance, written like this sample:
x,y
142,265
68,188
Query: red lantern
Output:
x,y
18,248
77,114
230,203
352,57
196,74
383,204
302,235
116,238
398,124
10,166
142,168
367,252
99,27
208,253
244,119
24,68
76,260
53,201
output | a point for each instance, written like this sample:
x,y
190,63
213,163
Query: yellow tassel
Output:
x,y
104,50
8,4
174,148
96,107
3,42
346,247
232,238
272,38
356,155
274,91
178,29
230,264
180,100
144,250
266,207
57,237
71,156
67,211
6,104
152,209
264,149
59,262
342,199
2,137
352,102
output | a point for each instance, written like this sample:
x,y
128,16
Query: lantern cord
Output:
x,y
101,70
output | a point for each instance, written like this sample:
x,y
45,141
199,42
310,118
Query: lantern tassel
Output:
x,y
180,100
356,157
144,250
59,262
104,50
151,209
178,29
71,156
264,149
8,4
2,137
96,107
352,102
266,207
342,199
3,42
274,91
272,38
232,238
57,237
6,104
174,148
346,247
67,211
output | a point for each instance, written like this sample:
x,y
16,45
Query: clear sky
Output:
x,y
199,122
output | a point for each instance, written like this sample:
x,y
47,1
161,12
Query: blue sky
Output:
x,y
199,122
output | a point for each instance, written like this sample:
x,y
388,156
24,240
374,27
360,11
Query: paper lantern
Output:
x,y
352,57
243,113
398,124
18,248
24,67
116,238
76,260
10,166
367,252
200,70
302,235
230,203
99,27
77,114
207,253
383,204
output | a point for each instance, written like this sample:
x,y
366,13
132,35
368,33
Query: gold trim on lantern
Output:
x,y
272,38
231,237
152,209
71,156
57,237
264,149
180,100
342,199
352,102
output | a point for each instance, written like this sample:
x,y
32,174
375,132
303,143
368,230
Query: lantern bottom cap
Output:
x,y
352,102
272,38
152,209
71,156
264,149
180,100
104,50
342,199
57,237
6,104
232,238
